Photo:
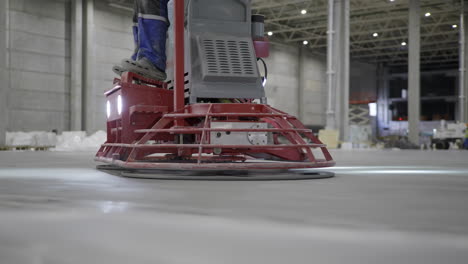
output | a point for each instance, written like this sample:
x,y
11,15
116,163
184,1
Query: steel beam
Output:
x,y
414,89
395,38
384,54
425,63
262,5
444,34
398,46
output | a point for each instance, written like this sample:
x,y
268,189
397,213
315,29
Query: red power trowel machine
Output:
x,y
212,115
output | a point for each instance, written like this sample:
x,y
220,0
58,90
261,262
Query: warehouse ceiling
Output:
x,y
378,30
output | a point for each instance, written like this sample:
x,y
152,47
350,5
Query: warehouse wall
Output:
x,y
113,42
282,86
39,60
313,89
297,83
35,51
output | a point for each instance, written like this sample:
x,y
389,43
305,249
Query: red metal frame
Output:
x,y
179,56
158,145
156,130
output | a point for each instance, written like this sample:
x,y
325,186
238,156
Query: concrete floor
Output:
x,y
383,207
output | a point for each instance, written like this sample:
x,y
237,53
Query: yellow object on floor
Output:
x,y
330,138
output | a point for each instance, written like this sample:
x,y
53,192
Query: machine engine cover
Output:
x,y
228,58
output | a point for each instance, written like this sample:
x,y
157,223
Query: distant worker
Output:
x,y
149,31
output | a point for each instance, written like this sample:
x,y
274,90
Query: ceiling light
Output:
x,y
305,42
270,33
454,26
303,11
427,14
375,34
403,43
392,0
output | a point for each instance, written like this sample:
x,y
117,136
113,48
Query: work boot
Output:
x,y
119,70
145,68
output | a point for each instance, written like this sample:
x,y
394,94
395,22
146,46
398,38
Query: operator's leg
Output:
x,y
117,69
152,30
135,30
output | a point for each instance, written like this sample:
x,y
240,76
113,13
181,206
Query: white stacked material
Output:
x,y
360,136
67,141
70,140
78,141
31,139
346,146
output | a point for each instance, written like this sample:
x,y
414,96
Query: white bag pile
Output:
x,y
31,139
67,141
78,141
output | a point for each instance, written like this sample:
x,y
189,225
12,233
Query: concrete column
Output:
x,y
414,89
301,83
76,65
4,69
339,66
88,96
337,51
345,75
330,112
382,104
461,76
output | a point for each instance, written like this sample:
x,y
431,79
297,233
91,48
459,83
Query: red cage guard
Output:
x,y
156,130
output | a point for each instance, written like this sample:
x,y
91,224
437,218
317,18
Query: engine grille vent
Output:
x,y
228,58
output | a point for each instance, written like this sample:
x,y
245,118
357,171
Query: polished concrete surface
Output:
x,y
382,207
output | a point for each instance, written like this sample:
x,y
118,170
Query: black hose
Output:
x,y
265,67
